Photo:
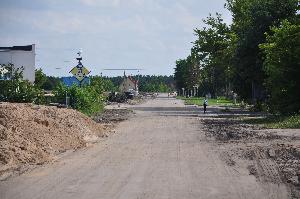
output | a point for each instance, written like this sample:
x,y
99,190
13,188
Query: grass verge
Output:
x,y
222,101
277,122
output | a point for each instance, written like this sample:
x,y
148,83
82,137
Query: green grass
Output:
x,y
271,122
277,122
199,101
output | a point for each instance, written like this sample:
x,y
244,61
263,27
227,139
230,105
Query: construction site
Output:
x,y
135,99
159,148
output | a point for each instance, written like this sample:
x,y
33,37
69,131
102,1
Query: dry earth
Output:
x,y
168,150
31,135
270,155
113,115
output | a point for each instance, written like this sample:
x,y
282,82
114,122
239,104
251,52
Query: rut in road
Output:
x,y
159,153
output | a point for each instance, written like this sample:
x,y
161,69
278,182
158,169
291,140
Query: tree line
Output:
x,y
149,83
80,98
257,56
88,99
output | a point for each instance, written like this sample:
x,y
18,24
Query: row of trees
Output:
x,y
87,99
149,83
257,56
153,83
50,83
45,82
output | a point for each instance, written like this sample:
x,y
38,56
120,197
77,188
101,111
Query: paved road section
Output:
x,y
159,153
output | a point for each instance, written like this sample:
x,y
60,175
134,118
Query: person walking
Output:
x,y
205,103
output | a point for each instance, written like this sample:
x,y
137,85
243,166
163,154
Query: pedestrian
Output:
x,y
205,103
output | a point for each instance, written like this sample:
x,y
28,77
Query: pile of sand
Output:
x,y
31,134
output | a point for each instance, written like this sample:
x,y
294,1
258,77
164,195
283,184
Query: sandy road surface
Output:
x,y
159,153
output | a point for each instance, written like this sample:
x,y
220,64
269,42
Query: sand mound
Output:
x,y
31,134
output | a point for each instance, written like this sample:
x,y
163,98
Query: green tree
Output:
x,y
86,99
51,83
251,20
18,90
163,88
212,52
151,83
282,66
45,82
40,78
102,84
186,73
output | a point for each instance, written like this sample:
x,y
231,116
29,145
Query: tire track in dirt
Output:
x,y
265,153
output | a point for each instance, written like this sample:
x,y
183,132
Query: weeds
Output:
x,y
277,122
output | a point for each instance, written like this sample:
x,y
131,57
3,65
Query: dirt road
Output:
x,y
159,153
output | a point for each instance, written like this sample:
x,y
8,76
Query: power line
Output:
x,y
123,69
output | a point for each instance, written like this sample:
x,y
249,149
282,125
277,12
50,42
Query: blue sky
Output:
x,y
148,34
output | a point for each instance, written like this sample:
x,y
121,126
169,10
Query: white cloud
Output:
x,y
156,31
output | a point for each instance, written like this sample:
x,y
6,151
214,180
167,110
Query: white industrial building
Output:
x,y
20,56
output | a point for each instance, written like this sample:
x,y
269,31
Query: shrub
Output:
x,y
282,66
15,89
84,99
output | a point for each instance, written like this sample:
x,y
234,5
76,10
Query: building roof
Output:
x,y
133,80
71,80
23,48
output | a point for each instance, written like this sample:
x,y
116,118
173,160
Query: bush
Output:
x,y
277,121
102,84
84,99
15,89
282,66
260,107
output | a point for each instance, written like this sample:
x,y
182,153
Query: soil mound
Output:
x,y
32,134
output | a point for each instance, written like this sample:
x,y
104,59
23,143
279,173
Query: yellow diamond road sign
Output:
x,y
80,72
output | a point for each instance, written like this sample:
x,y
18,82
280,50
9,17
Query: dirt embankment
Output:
x,y
31,134
269,155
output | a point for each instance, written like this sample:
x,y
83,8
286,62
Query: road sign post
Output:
x,y
79,71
